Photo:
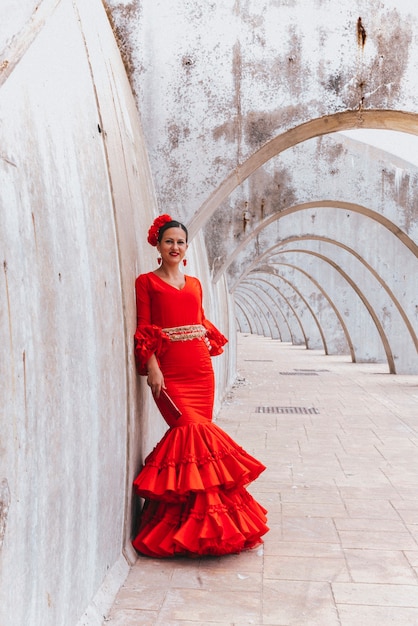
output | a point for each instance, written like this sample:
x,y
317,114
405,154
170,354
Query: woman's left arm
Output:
x,y
215,339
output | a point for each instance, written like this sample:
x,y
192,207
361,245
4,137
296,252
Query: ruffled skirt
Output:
x,y
196,502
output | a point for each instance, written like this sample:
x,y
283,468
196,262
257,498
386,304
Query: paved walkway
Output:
x,y
342,493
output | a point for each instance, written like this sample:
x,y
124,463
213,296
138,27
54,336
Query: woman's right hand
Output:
x,y
155,379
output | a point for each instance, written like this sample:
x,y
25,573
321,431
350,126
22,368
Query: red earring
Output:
x,y
185,262
159,261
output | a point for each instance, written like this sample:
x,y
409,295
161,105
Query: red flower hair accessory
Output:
x,y
155,228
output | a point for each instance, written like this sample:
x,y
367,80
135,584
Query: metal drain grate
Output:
x,y
298,373
294,410
309,370
259,360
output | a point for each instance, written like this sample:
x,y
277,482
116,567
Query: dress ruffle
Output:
x,y
148,340
195,457
196,503
209,523
215,337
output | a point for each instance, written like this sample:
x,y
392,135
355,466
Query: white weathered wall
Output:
x,y
217,80
76,198
76,201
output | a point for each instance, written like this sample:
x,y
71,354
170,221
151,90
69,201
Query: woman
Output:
x,y
194,480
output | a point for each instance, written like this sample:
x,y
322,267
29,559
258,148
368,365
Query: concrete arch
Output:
x,y
348,120
267,302
289,314
326,296
367,304
360,294
404,353
290,294
376,275
390,220
292,321
319,204
277,308
271,305
306,306
27,31
262,312
251,315
241,311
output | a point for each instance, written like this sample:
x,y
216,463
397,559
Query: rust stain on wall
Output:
x,y
361,33
375,81
261,126
274,192
267,193
4,508
407,194
121,18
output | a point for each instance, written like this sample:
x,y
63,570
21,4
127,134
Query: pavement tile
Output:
x,y
369,492
297,603
371,509
312,495
313,509
202,606
348,523
309,529
310,549
376,594
412,557
380,566
407,492
377,540
413,529
376,615
219,579
151,572
162,622
146,597
249,561
306,568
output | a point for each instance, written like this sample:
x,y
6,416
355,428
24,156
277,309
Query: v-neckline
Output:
x,y
169,284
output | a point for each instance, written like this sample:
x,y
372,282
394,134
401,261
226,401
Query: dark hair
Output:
x,y
172,224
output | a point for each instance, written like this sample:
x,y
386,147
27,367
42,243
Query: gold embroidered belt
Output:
x,y
185,333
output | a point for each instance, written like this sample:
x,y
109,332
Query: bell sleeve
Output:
x,y
214,338
149,339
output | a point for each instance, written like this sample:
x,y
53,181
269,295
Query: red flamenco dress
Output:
x,y
193,482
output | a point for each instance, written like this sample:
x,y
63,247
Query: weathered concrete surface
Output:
x,y
216,81
76,197
242,103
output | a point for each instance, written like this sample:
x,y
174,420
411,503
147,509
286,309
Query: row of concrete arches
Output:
x,y
326,271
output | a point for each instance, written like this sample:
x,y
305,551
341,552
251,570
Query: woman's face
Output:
x,y
173,246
